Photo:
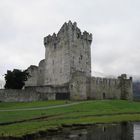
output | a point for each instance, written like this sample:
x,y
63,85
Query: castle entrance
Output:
x,y
62,96
104,97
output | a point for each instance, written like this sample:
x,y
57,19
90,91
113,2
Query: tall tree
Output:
x,y
15,79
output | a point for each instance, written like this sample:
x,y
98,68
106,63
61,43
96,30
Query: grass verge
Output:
x,y
105,111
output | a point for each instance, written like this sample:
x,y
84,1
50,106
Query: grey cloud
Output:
x,y
114,24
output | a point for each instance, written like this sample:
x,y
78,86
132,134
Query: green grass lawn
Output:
x,y
16,105
96,111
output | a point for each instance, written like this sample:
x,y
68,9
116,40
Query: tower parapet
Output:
x,y
67,30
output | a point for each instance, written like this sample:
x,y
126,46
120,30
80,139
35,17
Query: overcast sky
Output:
x,y
115,25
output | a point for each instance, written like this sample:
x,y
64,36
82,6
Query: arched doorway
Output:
x,y
104,96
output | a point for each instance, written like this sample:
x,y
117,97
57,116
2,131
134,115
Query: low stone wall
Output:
x,y
49,89
12,95
52,92
35,93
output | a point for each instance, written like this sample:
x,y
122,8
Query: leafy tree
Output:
x,y
15,79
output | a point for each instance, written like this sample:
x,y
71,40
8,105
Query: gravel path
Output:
x,y
41,108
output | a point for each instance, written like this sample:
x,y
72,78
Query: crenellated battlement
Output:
x,y
68,30
50,39
124,77
105,81
112,81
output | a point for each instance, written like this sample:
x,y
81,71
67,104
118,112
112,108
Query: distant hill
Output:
x,y
136,89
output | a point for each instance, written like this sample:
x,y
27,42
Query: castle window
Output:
x,y
109,82
80,58
71,86
54,45
104,96
78,35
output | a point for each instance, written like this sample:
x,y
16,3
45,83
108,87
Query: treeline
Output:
x,y
15,79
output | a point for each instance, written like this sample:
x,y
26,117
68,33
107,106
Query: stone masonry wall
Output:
x,y
41,73
51,92
27,95
80,53
78,86
104,88
12,95
83,87
57,70
33,75
126,87
80,59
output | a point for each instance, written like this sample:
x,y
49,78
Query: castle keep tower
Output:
x,y
65,73
67,51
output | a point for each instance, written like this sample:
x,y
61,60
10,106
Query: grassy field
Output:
x,y
85,112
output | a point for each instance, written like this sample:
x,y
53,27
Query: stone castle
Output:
x,y
65,73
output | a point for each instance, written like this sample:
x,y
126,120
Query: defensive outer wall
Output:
x,y
95,88
65,73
